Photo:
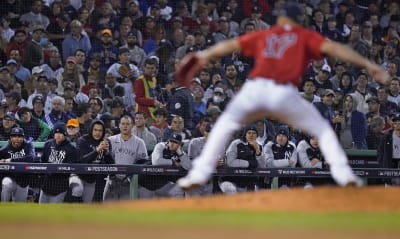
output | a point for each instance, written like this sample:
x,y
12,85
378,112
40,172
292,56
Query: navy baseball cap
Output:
x,y
9,115
176,138
283,130
294,11
60,128
17,131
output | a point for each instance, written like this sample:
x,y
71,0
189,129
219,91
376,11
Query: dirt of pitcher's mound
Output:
x,y
319,199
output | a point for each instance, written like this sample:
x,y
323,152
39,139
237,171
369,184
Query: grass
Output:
x,y
78,214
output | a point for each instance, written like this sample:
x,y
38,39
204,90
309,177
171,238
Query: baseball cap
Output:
x,y
20,30
251,127
123,50
328,92
218,90
95,56
177,19
37,70
156,6
294,11
60,128
373,99
176,138
73,123
256,9
227,9
392,44
106,31
11,61
396,117
4,68
117,103
222,19
283,130
71,59
37,28
38,98
17,131
134,2
326,68
9,115
197,80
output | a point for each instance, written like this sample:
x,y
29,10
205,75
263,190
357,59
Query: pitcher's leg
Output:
x,y
304,116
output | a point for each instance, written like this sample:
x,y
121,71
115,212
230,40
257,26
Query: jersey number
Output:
x,y
277,45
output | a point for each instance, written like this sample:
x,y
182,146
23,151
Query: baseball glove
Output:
x,y
124,70
188,68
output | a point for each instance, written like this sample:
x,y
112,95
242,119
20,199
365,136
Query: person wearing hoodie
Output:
x,y
353,126
244,152
15,187
58,150
92,148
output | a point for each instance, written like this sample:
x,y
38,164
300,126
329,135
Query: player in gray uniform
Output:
x,y
127,149
168,153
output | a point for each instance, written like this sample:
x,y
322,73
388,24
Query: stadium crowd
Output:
x,y
94,80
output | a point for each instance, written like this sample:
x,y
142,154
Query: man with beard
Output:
x,y
19,43
108,52
137,53
33,53
92,148
15,187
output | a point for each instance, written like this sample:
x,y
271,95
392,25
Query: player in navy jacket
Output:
x,y
58,150
15,187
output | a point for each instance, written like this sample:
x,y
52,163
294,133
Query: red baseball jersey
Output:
x,y
283,54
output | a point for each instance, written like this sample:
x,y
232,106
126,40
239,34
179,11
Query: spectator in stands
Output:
x,y
53,68
388,150
256,14
83,114
127,149
387,107
96,106
243,152
353,125
7,124
57,30
33,53
34,128
189,42
5,83
177,127
13,98
38,107
322,81
331,31
71,73
19,42
92,148
325,107
22,72
160,123
137,54
73,130
15,187
265,131
58,150
394,91
375,132
181,103
280,152
126,73
346,83
167,153
108,52
75,40
141,131
309,90
35,17
218,99
362,92
57,112
390,54
340,68
145,89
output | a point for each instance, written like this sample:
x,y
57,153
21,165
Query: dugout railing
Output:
x,y
134,171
